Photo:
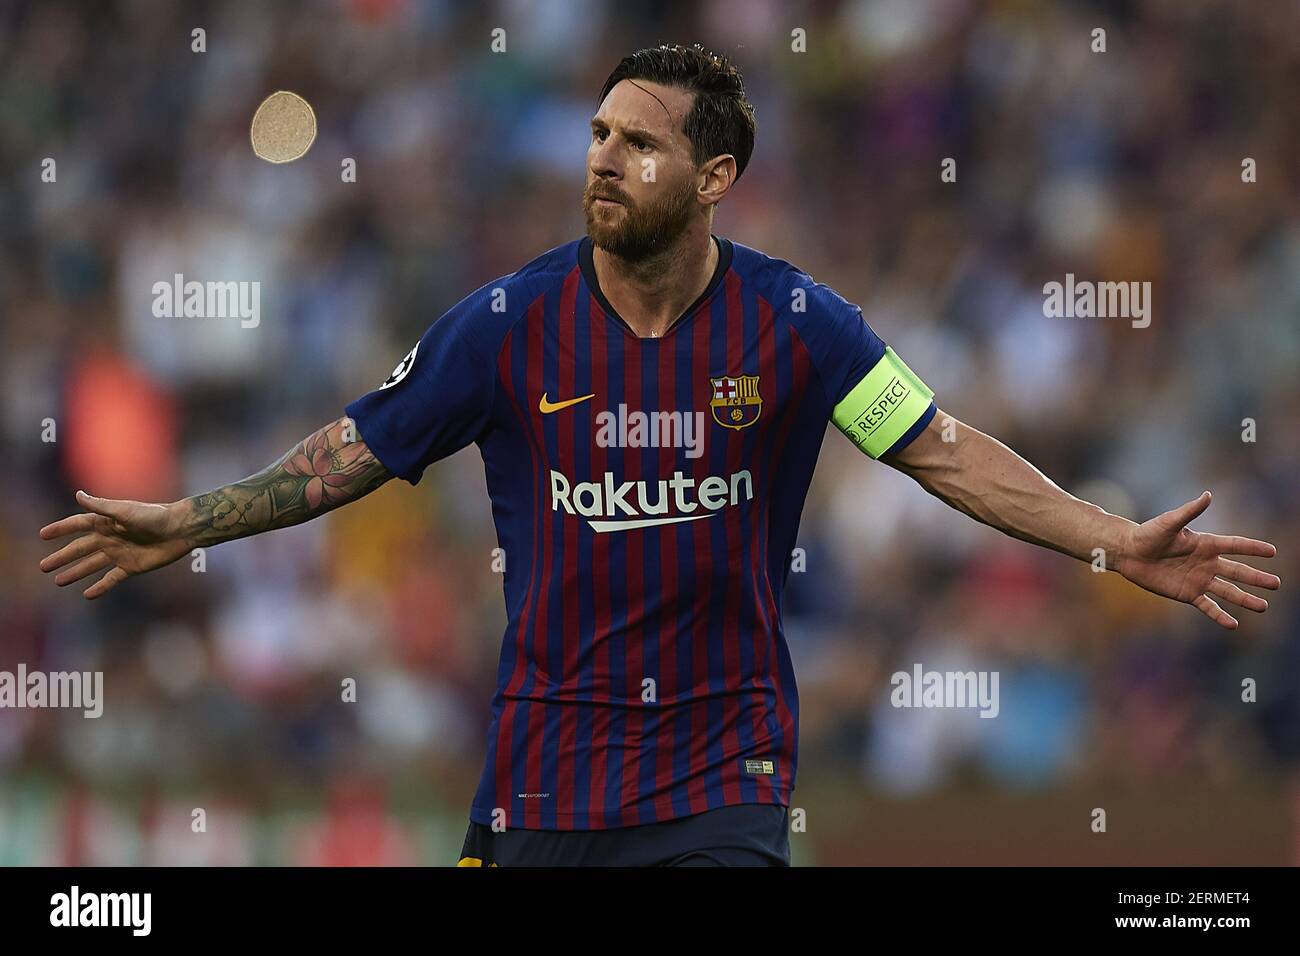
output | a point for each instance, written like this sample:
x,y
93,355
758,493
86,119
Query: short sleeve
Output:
x,y
437,400
877,401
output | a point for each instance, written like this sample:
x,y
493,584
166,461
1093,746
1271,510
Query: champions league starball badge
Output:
x,y
284,127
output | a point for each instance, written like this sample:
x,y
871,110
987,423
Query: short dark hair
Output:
x,y
721,120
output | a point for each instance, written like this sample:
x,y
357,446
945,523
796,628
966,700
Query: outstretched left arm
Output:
x,y
983,478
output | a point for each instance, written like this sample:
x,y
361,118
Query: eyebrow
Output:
x,y
635,132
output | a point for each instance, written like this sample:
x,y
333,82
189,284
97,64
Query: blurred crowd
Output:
x,y
223,678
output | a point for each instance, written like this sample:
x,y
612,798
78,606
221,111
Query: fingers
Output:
x,y
108,507
79,524
96,562
1236,544
77,548
1205,604
1245,574
1184,515
105,584
73,524
1230,592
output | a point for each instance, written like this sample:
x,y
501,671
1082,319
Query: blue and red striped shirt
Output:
x,y
646,493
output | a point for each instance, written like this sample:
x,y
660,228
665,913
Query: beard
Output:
x,y
637,232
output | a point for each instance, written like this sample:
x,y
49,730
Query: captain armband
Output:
x,y
881,408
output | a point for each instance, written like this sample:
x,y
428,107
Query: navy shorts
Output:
x,y
746,835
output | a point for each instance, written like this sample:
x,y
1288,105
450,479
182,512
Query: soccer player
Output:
x,y
649,402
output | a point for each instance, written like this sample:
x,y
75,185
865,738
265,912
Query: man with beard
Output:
x,y
646,710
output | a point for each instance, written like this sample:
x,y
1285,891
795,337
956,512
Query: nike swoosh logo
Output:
x,y
546,407
602,527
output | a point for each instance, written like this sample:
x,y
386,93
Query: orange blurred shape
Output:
x,y
356,829
376,11
120,436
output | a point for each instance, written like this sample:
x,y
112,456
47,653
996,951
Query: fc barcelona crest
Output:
x,y
736,402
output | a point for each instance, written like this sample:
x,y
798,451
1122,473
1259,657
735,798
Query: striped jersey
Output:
x,y
646,494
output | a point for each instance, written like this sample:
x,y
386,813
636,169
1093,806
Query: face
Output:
x,y
641,177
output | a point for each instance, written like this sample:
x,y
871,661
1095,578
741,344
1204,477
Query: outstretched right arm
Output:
x,y
324,471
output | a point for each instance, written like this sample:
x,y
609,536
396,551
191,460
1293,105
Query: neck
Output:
x,y
651,293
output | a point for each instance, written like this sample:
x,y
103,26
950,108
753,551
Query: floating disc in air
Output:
x,y
284,127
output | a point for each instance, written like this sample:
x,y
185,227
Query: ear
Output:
x,y
717,175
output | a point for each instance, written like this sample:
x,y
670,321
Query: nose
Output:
x,y
601,160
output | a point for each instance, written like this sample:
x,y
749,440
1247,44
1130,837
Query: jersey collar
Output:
x,y
588,267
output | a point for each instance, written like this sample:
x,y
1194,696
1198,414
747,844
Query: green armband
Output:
x,y
883,406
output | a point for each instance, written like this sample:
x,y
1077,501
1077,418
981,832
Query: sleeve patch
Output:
x,y
879,410
402,368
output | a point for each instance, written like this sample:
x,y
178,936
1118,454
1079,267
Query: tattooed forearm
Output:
x,y
324,471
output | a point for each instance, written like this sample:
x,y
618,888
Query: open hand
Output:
x,y
1167,558
126,537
